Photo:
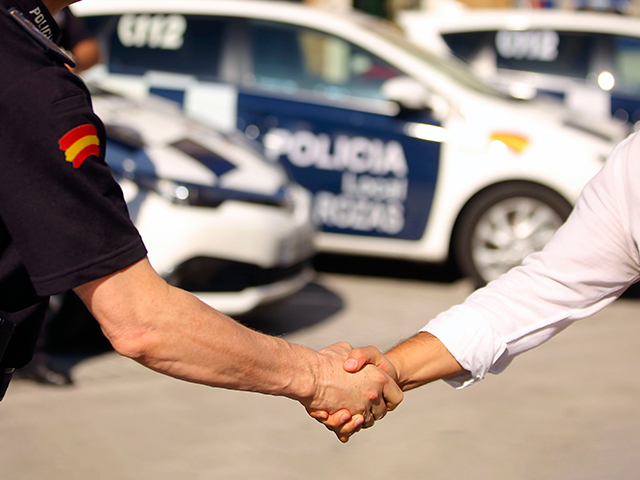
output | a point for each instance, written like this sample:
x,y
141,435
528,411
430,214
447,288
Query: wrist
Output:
x,y
301,382
394,357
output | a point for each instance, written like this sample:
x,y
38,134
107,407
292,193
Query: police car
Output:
x,y
216,217
407,155
590,60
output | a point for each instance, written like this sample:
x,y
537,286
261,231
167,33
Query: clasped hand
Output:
x,y
356,388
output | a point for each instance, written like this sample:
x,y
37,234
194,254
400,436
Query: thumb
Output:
x,y
360,357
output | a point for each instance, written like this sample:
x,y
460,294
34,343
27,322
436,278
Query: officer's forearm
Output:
x,y
171,331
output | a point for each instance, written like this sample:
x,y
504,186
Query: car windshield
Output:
x,y
455,69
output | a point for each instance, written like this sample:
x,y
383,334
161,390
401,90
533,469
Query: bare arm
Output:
x,y
418,360
86,54
172,332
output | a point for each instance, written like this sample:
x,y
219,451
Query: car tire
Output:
x,y
503,224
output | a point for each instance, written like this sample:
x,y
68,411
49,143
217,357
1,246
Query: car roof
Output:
x,y
287,12
382,38
352,25
522,19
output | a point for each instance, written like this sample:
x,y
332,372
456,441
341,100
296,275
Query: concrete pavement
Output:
x,y
568,410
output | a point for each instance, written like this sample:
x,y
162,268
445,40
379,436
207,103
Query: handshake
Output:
x,y
356,387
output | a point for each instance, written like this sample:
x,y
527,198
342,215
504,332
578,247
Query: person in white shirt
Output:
x,y
589,263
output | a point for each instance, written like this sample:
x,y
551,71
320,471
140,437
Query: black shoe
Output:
x,y
43,372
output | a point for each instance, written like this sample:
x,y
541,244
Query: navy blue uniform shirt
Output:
x,y
63,219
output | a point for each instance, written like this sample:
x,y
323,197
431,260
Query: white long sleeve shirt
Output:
x,y
590,262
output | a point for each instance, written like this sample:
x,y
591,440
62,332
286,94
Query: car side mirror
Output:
x,y
521,91
406,92
412,96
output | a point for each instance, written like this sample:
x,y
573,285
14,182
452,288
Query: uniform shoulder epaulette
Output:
x,y
49,46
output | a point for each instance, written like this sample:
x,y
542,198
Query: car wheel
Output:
x,y
502,225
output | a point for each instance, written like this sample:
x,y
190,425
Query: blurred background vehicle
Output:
x,y
589,60
216,217
408,154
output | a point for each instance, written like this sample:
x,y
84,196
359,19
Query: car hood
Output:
x,y
153,138
609,130
547,116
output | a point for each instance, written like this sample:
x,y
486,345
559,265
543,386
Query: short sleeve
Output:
x,y
61,207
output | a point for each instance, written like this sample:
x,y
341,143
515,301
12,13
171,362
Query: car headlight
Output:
x,y
184,193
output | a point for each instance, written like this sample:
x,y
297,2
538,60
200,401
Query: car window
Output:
x,y
287,58
545,51
626,61
539,51
466,45
170,43
457,70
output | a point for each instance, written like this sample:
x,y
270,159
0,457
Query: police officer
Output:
x,y
55,206
77,41
64,225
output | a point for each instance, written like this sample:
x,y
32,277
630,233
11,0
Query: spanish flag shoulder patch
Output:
x,y
80,143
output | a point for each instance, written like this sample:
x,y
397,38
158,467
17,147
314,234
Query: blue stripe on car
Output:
x,y
202,154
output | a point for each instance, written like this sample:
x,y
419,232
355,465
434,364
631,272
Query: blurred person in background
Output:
x,y
76,39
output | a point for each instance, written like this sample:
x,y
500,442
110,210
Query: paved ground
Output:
x,y
569,410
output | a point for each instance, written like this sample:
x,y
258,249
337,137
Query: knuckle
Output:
x,y
373,395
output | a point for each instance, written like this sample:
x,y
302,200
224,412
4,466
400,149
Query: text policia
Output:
x,y
373,184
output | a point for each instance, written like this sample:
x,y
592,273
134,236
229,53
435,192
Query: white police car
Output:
x,y
215,216
408,155
590,60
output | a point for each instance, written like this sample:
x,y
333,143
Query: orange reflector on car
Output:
x,y
514,142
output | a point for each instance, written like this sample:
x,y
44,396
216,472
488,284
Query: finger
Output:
x,y
339,348
360,357
379,410
346,345
392,394
369,419
352,427
337,419
319,415
344,438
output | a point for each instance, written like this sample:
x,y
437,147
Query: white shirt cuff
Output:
x,y
470,339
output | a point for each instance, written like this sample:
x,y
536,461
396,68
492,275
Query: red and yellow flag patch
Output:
x,y
80,143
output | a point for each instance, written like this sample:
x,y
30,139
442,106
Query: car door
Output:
x,y
316,102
